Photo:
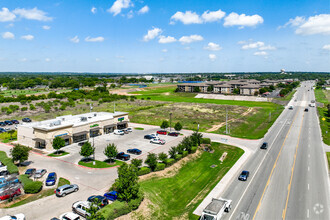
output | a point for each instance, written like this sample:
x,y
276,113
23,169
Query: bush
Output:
x,y
206,141
178,157
170,162
143,171
193,149
114,210
135,203
11,167
29,186
24,109
160,166
184,153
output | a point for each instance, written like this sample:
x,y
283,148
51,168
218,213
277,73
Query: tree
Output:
x,y
178,126
151,161
162,157
196,138
197,89
180,148
11,132
328,107
262,90
86,150
58,143
172,152
137,162
187,143
111,151
236,91
210,88
20,153
164,124
127,184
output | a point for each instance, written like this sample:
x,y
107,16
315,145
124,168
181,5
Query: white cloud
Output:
x,y
190,39
6,15
186,18
212,57
94,39
75,39
164,50
253,45
118,5
130,14
242,20
318,24
28,37
294,22
8,35
166,40
97,59
93,10
23,60
46,27
268,47
144,10
152,34
47,59
260,53
212,46
326,47
32,14
10,25
211,16
241,42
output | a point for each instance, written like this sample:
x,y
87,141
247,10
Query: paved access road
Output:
x,y
289,180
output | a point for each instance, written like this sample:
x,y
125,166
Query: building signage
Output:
x,y
61,135
94,125
121,119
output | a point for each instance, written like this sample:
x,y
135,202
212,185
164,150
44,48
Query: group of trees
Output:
x,y
165,125
287,88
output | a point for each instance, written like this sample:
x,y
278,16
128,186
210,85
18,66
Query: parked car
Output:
x,y
134,151
80,208
5,182
6,194
125,131
175,134
123,156
129,129
2,124
157,141
4,172
118,132
8,122
162,132
15,121
19,216
66,189
244,175
26,120
30,171
306,109
112,196
264,145
148,136
100,200
51,179
2,130
69,216
40,173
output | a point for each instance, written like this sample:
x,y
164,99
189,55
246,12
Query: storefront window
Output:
x,y
109,130
79,138
94,133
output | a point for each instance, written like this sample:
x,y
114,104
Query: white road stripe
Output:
x,y
307,213
308,186
309,155
308,168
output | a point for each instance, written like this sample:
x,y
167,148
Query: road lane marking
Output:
x,y
294,163
271,173
307,213
308,168
270,146
309,155
308,186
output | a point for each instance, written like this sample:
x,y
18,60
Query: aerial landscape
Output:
x,y
140,109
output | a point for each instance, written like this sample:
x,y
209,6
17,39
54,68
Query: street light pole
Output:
x,y
93,151
170,121
226,121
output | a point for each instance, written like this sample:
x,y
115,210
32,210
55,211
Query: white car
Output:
x,y
157,141
69,216
118,132
14,217
81,208
129,129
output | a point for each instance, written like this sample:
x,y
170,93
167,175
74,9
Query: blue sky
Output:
x,y
135,36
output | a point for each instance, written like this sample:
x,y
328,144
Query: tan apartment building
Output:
x,y
249,89
71,128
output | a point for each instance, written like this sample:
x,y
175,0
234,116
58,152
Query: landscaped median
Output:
x,y
100,164
60,153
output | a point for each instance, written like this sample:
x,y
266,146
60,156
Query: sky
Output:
x,y
164,36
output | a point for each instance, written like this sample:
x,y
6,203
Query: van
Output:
x,y
118,132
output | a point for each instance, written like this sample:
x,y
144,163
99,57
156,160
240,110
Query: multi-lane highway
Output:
x,y
289,180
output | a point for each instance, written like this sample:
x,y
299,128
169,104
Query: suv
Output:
x,y
244,175
51,179
148,136
123,156
30,172
8,122
100,200
175,134
81,207
162,132
134,151
15,121
264,145
26,120
66,189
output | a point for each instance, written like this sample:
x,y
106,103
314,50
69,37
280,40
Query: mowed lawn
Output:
x,y
180,195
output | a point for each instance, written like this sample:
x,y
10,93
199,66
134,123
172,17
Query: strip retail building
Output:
x,y
71,128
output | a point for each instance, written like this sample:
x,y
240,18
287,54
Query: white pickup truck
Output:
x,y
216,209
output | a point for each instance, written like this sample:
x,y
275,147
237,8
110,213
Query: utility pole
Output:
x,y
94,150
226,121
170,121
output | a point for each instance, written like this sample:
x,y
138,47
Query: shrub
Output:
x,y
135,203
9,111
178,157
29,186
143,171
11,167
32,107
160,166
115,210
193,150
206,141
24,108
184,153
151,161
170,162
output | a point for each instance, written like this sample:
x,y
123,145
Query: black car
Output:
x,y
30,172
244,175
2,130
8,122
134,151
15,121
123,156
100,200
175,134
264,145
306,109
26,120
2,124
148,136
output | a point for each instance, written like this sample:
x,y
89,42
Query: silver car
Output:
x,y
66,189
39,173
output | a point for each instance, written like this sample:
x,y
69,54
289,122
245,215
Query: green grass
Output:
x,y
42,194
328,156
61,153
100,164
62,181
289,96
11,167
6,137
324,124
321,96
181,194
137,128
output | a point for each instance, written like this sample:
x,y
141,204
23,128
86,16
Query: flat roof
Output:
x,y
215,206
73,120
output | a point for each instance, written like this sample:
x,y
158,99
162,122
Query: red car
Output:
x,y
10,194
175,134
162,132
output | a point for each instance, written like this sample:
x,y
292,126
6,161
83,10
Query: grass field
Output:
x,y
324,97
178,196
100,164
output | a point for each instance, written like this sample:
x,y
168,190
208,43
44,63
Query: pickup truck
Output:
x,y
216,209
123,156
